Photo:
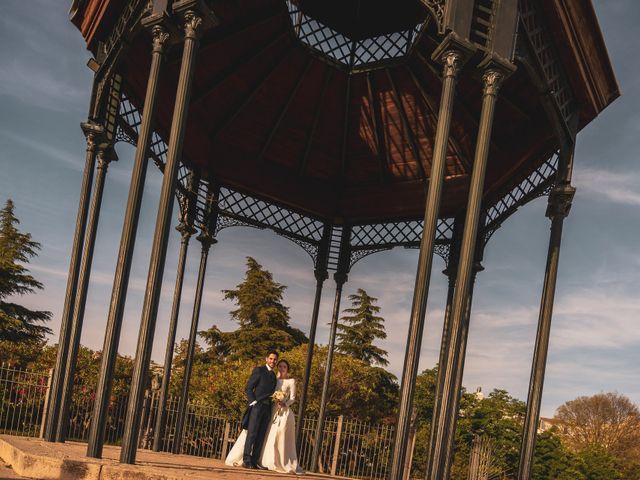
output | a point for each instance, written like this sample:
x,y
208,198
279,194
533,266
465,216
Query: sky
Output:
x,y
595,336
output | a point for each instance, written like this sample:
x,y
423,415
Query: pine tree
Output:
x,y
18,323
361,328
261,315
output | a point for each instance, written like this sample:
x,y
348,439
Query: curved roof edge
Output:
x,y
589,66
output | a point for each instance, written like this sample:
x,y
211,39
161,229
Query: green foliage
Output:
x,y
603,430
553,461
261,315
357,390
598,464
18,323
361,328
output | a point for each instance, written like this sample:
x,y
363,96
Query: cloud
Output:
x,y
615,187
73,160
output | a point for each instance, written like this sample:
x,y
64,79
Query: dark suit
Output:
x,y
260,387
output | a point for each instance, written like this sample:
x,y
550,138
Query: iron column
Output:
x,y
321,275
558,208
459,357
492,78
185,227
125,254
451,53
192,24
206,239
445,341
340,278
91,131
105,155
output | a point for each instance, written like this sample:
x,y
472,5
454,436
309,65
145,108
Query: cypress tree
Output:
x,y
360,328
18,323
262,318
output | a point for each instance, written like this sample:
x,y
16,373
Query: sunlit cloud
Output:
x,y
623,188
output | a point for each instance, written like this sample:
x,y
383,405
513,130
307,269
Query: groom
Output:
x,y
259,389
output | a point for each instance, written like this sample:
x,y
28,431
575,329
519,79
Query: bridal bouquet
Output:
x,y
277,397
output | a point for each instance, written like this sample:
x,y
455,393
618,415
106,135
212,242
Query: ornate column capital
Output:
x,y
492,81
93,133
453,52
185,218
106,154
340,278
495,70
196,17
192,24
206,239
320,274
560,200
452,60
159,36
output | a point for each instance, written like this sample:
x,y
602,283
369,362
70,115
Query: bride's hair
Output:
x,y
286,363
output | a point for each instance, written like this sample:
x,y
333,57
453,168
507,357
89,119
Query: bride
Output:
x,y
279,449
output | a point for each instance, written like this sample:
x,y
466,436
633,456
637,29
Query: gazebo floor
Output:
x,y
37,459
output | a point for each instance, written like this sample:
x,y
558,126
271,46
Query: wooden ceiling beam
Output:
x,y
413,144
376,120
226,72
284,110
433,108
314,125
345,130
458,104
239,28
213,134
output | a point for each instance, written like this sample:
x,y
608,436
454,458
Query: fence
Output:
x,y
350,448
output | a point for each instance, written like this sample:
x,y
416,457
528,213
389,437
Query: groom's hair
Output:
x,y
273,352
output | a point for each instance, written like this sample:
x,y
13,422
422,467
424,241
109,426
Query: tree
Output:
x,y
604,430
18,323
263,319
361,328
357,390
553,461
607,421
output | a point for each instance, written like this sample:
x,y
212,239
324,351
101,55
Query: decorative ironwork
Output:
x,y
443,250
123,136
268,215
226,222
360,54
239,209
541,41
538,183
397,234
357,255
310,248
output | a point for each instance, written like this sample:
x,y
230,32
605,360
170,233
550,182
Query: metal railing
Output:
x,y
351,448
23,395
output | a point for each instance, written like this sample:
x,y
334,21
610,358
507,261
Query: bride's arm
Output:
x,y
292,394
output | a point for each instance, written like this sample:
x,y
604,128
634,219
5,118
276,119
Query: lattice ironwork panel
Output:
x,y
548,58
129,113
536,184
397,234
266,214
354,53
128,122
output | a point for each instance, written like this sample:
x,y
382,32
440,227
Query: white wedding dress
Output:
x,y
279,449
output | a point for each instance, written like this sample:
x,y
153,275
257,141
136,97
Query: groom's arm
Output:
x,y
251,385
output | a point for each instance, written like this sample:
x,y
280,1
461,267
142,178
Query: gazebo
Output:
x,y
349,127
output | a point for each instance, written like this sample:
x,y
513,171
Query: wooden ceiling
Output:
x,y
270,117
